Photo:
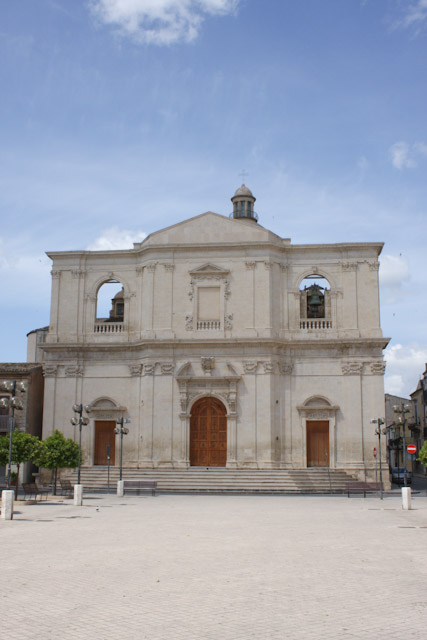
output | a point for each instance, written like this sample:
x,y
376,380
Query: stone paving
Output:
x,y
215,567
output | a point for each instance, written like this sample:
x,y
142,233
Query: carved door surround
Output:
x,y
102,409
209,275
222,386
317,408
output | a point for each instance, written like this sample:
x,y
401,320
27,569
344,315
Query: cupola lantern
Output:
x,y
243,204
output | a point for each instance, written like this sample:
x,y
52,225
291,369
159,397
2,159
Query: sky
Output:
x,y
120,117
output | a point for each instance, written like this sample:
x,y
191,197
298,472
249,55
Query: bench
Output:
x,y
66,486
140,485
362,487
31,489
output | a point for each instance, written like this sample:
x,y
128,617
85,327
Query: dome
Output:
x,y
243,191
119,294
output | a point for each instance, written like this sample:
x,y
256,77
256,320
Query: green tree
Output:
x,y
23,448
423,454
56,452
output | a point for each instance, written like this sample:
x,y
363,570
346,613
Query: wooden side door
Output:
x,y
104,435
208,434
317,443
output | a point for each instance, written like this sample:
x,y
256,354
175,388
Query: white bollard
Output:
x,y
406,498
78,495
120,488
7,505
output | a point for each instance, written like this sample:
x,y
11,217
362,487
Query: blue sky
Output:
x,y
119,117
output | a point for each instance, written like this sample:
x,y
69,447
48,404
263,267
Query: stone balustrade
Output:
x,y
315,324
109,327
208,325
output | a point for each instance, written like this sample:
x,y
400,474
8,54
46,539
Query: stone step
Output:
x,y
222,480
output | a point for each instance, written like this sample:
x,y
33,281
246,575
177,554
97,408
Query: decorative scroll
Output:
x,y
189,322
135,369
250,366
74,371
228,321
349,266
378,368
208,364
285,367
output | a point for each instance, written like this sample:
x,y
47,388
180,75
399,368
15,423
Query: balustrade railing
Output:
x,y
208,325
315,324
109,327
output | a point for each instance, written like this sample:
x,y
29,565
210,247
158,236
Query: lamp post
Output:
x,y
378,432
80,420
12,403
122,431
401,411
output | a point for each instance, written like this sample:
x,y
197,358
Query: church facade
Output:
x,y
227,346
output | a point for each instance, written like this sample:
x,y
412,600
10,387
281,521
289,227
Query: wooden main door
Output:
x,y
104,435
208,433
317,443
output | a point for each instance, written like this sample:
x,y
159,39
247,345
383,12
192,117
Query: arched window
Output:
x,y
315,302
110,303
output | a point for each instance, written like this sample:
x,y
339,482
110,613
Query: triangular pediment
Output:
x,y
209,269
209,228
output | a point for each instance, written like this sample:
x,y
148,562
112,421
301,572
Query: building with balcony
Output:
x,y
226,345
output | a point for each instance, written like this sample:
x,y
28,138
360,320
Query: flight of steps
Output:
x,y
201,480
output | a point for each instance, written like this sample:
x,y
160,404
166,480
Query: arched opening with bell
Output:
x,y
315,302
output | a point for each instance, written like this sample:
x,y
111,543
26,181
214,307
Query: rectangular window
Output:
x,y
208,303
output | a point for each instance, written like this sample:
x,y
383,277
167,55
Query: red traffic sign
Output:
x,y
412,448
375,452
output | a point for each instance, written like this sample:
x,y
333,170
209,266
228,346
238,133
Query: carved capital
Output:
x,y
352,368
285,367
166,368
77,273
250,366
349,266
268,366
268,265
148,369
250,264
374,266
74,371
169,266
151,267
378,368
55,274
135,369
50,370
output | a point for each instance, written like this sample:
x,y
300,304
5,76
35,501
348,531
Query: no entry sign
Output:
x,y
412,448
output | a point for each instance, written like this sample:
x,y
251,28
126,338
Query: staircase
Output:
x,y
220,481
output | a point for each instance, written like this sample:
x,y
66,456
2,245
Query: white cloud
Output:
x,y
400,153
405,365
115,238
394,270
160,22
415,14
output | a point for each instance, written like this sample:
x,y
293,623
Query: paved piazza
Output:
x,y
215,567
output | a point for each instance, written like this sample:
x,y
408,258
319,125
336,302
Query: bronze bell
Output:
x,y
314,299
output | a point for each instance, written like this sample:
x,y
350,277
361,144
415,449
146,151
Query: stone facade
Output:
x,y
213,307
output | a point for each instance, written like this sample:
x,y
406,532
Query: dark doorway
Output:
x,y
208,433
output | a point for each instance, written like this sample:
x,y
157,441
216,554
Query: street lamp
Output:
x,y
402,410
12,403
378,432
80,420
122,431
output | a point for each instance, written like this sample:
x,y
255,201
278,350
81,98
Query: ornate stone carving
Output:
x,y
189,322
166,368
135,369
250,264
250,366
268,366
74,371
208,364
268,265
378,368
191,291
315,270
285,367
50,370
77,273
227,290
284,267
352,368
232,401
148,368
169,266
140,270
55,274
228,321
349,266
151,267
183,401
374,266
